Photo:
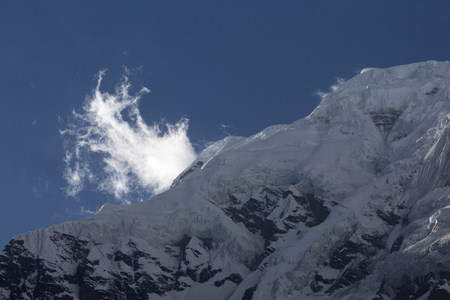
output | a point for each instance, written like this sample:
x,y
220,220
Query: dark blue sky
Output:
x,y
243,64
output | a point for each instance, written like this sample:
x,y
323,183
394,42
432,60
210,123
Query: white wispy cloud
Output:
x,y
41,187
109,146
226,129
332,89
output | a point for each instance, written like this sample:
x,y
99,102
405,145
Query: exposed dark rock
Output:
x,y
208,273
343,255
318,209
397,244
269,232
255,211
119,256
389,217
439,294
251,214
385,119
351,276
235,278
379,241
177,180
248,295
433,286
317,285
433,91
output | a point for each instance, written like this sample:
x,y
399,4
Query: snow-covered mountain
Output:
x,y
352,202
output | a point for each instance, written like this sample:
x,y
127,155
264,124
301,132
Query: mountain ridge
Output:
x,y
351,202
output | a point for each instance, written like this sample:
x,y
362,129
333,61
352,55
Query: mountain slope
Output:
x,y
352,202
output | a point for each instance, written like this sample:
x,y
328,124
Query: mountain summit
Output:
x,y
351,202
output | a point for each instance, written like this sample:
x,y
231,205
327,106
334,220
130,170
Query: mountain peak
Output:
x,y
350,202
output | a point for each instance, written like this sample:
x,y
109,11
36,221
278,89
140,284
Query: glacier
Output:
x,y
351,202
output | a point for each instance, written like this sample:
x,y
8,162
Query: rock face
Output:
x,y
352,202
